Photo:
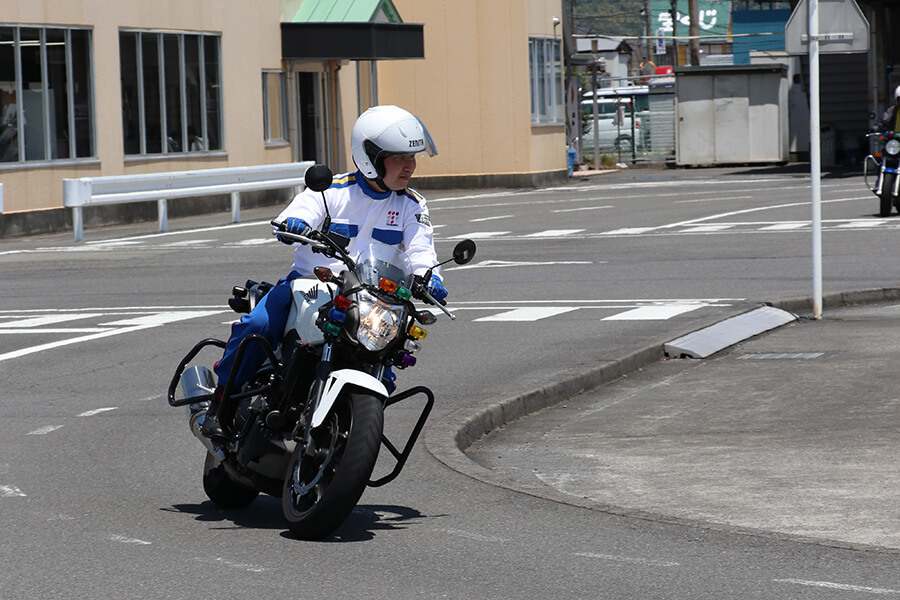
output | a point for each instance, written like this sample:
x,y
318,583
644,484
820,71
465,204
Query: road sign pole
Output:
x,y
815,158
846,31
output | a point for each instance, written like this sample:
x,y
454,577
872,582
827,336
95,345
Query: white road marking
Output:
x,y
491,218
840,586
786,226
479,235
252,242
652,313
156,319
191,242
54,330
862,224
145,319
529,314
625,559
68,342
629,231
127,540
565,210
487,264
554,233
707,228
236,565
45,430
97,411
47,320
11,491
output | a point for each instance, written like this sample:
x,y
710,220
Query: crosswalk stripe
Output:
x,y
45,320
554,233
785,226
652,313
532,313
477,235
706,228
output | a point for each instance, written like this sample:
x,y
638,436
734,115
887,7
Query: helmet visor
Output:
x,y
430,149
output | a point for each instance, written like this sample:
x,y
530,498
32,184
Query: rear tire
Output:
x,y
224,491
320,491
887,189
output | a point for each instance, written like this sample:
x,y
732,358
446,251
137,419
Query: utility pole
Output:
x,y
648,24
674,13
694,32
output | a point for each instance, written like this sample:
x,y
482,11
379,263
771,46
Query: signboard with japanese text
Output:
x,y
714,18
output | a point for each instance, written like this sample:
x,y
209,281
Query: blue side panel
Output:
x,y
388,236
346,229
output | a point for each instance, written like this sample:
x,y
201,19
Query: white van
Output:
x,y
615,133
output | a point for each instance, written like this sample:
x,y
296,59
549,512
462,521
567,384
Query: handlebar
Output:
x,y
321,242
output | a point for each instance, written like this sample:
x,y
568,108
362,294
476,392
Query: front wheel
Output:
x,y
887,191
322,487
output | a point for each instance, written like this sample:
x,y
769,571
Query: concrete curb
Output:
x,y
447,441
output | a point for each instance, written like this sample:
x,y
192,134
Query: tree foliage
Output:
x,y
614,18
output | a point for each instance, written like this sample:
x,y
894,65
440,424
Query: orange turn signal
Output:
x,y
387,285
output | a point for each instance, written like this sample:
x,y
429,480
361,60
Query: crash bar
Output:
x,y
115,189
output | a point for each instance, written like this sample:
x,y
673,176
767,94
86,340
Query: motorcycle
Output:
x,y
886,161
309,425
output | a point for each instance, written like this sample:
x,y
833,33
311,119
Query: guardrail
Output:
x,y
117,189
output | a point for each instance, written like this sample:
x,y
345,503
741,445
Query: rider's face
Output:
x,y
398,169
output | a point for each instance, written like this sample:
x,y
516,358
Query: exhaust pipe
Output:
x,y
196,382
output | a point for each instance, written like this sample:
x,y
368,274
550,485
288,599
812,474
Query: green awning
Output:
x,y
347,11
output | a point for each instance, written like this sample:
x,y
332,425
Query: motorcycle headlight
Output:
x,y
892,147
379,322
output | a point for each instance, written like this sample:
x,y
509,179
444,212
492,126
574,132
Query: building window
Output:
x,y
275,120
171,92
46,94
545,63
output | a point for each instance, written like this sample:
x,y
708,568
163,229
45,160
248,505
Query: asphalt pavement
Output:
x,y
792,433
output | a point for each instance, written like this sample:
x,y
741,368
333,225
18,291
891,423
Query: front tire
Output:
x,y
321,490
887,190
224,491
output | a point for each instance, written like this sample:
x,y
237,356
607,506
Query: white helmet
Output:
x,y
385,130
897,93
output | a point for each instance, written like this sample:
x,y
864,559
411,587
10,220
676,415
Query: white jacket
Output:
x,y
365,215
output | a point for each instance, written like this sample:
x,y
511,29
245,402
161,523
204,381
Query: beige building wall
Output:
x,y
250,40
472,89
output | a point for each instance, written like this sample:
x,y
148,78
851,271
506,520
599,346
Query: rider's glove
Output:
x,y
436,288
295,226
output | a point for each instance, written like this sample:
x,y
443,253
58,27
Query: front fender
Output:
x,y
335,384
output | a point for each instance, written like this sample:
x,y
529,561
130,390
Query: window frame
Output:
x,y
204,104
271,137
546,81
72,66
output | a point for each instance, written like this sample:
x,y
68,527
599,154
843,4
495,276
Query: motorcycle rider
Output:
x,y
888,121
372,204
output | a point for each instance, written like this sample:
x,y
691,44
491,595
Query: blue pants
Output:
x,y
268,319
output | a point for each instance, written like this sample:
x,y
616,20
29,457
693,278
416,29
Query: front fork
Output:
x,y
882,169
318,391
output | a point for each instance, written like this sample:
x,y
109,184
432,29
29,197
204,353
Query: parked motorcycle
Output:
x,y
886,160
308,427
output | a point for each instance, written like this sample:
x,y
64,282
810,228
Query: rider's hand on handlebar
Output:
x,y
436,289
295,226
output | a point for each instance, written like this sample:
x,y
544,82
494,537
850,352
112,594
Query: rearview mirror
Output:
x,y
318,178
464,252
